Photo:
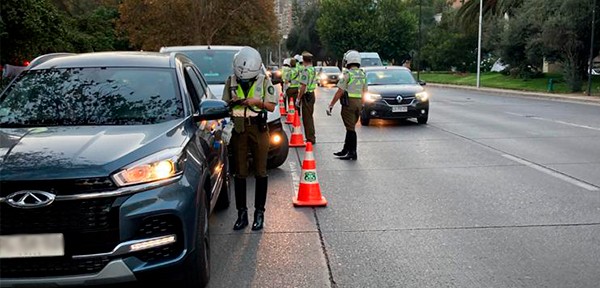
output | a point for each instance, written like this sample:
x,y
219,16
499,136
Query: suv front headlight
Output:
x,y
422,96
164,164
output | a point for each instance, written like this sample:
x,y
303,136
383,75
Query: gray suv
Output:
x,y
111,164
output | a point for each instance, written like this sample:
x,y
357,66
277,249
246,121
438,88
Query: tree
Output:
x,y
30,28
385,26
469,13
151,24
305,37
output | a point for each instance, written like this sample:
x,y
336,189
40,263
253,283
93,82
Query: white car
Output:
x,y
215,62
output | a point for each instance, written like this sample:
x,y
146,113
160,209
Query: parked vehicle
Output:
x,y
216,63
394,94
112,163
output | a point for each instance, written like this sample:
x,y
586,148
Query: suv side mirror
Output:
x,y
211,109
422,83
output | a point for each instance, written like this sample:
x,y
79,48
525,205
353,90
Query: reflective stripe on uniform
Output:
x,y
356,82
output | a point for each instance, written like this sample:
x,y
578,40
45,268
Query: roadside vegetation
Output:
x,y
501,81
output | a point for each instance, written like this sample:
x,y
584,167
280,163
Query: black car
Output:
x,y
394,94
111,164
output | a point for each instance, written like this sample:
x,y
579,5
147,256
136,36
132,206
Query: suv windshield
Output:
x,y
214,64
390,77
91,96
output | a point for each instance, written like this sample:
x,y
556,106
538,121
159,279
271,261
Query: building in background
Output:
x,y
283,10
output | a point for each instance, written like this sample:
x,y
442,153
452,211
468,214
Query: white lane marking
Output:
x,y
552,173
555,121
295,177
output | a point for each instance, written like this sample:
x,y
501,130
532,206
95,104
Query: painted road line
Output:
x,y
553,173
555,121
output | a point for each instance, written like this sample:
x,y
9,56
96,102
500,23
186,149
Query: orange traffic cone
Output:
x,y
297,139
290,113
282,110
309,192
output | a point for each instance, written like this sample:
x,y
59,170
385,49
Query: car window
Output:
x,y
216,65
91,96
389,77
194,86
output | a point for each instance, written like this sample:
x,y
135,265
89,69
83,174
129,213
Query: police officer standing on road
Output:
x,y
292,78
306,96
350,91
250,94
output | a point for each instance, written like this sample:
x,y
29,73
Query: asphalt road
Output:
x,y
495,191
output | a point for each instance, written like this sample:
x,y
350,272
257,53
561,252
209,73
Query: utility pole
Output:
x,y
479,44
592,50
419,45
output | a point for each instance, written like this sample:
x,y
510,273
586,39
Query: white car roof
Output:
x,y
199,47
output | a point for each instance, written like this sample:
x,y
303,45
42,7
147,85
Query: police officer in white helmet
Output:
x,y
350,90
250,94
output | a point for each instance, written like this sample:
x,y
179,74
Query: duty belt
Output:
x,y
249,120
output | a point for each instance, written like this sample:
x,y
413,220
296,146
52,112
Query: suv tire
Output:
x,y
364,119
423,119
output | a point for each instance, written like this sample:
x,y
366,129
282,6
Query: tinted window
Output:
x,y
91,96
387,77
216,65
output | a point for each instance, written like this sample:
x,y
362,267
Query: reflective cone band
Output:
x,y
282,110
309,192
290,113
297,139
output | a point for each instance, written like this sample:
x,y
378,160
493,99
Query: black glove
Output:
x,y
328,111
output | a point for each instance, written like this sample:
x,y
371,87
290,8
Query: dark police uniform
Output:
x,y
355,83
308,78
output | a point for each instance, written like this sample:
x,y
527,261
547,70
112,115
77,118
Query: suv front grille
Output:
x,y
59,187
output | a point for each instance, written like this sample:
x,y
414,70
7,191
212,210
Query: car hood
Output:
x,y
404,89
82,151
217,90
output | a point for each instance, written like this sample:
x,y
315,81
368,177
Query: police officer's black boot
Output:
x,y
345,149
351,147
260,198
240,203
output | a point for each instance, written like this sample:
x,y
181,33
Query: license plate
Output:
x,y
26,246
397,108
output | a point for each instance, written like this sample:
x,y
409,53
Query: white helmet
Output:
x,y
298,58
351,57
247,63
287,62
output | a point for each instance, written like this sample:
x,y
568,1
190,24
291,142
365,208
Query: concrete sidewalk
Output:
x,y
553,96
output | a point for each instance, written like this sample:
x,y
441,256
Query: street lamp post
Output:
x,y
592,50
283,38
479,44
419,44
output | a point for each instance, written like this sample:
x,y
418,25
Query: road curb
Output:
x,y
550,96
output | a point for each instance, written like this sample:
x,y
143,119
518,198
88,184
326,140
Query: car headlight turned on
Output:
x,y
323,77
275,139
371,97
165,164
422,96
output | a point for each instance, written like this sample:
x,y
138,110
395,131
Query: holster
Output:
x,y
345,99
262,121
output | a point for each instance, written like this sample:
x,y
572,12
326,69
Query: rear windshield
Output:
x,y
216,65
364,62
331,70
91,96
